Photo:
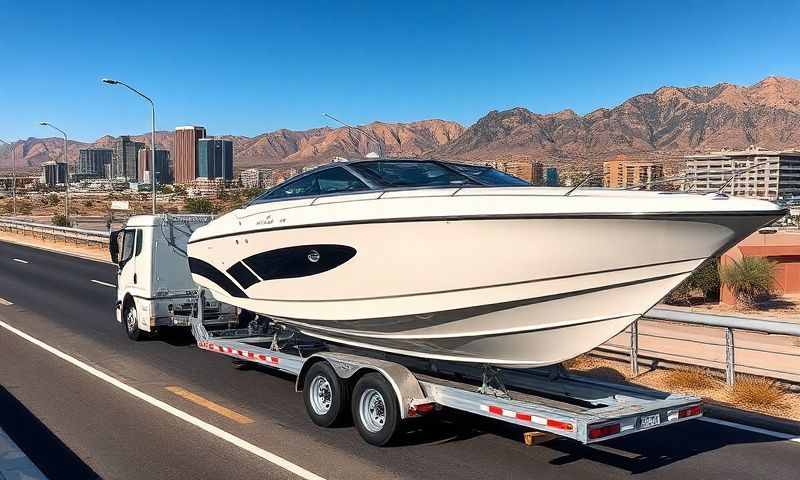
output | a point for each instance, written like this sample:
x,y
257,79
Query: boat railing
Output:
x,y
734,344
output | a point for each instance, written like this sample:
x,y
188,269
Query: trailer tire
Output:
x,y
130,321
325,395
375,409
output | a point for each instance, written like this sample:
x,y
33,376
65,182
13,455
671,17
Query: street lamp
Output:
x,y
66,164
13,176
110,81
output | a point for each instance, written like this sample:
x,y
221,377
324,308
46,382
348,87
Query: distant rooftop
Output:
x,y
189,127
748,152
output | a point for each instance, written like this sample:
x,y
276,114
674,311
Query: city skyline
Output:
x,y
431,65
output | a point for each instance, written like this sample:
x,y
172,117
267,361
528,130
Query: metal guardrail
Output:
x,y
730,324
78,235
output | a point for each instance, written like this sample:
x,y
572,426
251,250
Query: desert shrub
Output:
x,y
24,207
60,220
691,378
756,391
200,205
705,280
751,279
51,200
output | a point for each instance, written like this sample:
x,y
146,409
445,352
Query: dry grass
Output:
x,y
758,392
691,378
581,362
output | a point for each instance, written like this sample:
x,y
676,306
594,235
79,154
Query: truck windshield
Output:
x,y
410,173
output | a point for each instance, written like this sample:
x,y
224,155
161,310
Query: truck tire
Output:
x,y
130,320
325,395
375,409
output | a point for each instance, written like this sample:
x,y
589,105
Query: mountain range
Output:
x,y
667,123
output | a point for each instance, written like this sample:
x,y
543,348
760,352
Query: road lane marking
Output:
x,y
104,284
5,302
216,431
19,260
214,407
763,431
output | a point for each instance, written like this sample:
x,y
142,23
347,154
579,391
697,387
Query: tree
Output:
x,y
751,279
200,205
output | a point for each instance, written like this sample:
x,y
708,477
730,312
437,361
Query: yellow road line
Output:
x,y
214,407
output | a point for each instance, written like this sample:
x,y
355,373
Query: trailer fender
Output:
x,y
406,387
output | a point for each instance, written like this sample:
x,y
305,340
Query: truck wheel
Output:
x,y
130,320
325,395
375,409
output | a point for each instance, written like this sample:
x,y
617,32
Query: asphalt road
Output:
x,y
73,425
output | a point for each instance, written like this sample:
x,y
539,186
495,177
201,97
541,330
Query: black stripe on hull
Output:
x,y
206,270
399,324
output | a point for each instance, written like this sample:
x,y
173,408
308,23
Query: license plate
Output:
x,y
650,421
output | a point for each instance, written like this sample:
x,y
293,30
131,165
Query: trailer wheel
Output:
x,y
375,409
130,320
325,395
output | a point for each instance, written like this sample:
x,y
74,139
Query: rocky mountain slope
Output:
x,y
278,147
669,120
667,123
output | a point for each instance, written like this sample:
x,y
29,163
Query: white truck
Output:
x,y
378,392
154,285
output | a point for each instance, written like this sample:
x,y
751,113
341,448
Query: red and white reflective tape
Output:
x,y
256,357
527,417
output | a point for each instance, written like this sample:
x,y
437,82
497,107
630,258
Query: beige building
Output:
x,y
764,174
527,170
623,173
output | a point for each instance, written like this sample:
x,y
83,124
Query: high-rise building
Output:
x,y
537,173
765,174
185,161
163,167
92,162
125,159
551,177
623,173
54,173
215,159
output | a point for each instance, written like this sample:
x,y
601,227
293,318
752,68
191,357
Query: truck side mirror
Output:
x,y
113,245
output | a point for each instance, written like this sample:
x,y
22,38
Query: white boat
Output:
x,y
463,263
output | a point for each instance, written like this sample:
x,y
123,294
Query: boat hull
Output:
x,y
522,291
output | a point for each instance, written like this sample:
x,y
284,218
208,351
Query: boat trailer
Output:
x,y
381,391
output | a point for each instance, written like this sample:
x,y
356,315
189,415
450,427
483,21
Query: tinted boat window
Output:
x,y
410,174
488,176
330,180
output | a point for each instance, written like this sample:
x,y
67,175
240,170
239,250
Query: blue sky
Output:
x,y
250,67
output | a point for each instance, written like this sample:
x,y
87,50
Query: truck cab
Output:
x,y
154,284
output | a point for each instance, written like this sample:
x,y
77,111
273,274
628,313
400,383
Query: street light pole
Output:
x,y
66,164
13,176
110,81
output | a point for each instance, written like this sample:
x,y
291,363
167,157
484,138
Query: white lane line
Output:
x,y
104,284
216,431
763,431
19,260
5,302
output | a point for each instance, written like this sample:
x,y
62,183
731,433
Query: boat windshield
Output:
x,y
488,175
392,174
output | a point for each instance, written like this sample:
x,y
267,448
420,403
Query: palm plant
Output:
x,y
750,279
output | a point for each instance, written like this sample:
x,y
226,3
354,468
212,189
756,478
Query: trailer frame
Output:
x,y
549,400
